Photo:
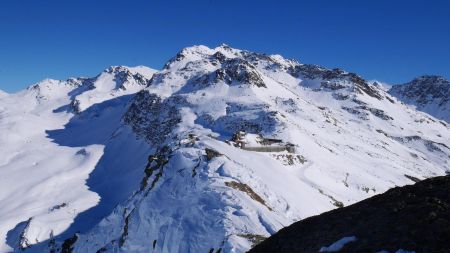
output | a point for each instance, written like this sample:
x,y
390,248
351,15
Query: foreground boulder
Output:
x,y
413,218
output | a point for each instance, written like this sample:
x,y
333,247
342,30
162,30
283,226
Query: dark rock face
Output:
x,y
430,94
424,90
361,112
180,56
211,153
249,191
332,85
151,117
414,218
316,72
241,71
67,246
123,75
377,112
219,57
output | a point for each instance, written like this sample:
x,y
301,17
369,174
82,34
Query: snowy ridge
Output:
x,y
114,81
169,162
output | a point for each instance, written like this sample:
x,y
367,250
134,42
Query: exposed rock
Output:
x,y
424,89
377,112
360,111
332,85
249,191
290,159
316,72
414,179
428,93
152,117
67,246
254,239
23,240
361,114
241,71
340,96
414,218
122,75
211,153
155,163
57,207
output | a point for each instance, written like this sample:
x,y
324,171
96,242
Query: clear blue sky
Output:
x,y
389,40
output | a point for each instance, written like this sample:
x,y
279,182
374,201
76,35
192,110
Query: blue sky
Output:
x,y
392,41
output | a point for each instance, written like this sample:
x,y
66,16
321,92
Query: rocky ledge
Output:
x,y
413,218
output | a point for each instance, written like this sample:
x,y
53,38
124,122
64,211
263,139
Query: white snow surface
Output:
x,y
43,166
338,245
3,93
114,156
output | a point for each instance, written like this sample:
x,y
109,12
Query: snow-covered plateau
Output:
x,y
214,153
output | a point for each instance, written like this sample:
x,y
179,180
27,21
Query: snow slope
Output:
x,y
48,154
168,178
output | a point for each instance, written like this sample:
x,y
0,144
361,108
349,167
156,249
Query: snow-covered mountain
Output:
x,y
43,170
217,151
430,94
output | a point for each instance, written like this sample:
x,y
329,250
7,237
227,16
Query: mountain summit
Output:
x,y
217,151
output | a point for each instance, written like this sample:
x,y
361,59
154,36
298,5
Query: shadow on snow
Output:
x,y
117,173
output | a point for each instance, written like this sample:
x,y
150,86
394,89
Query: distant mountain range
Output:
x,y
216,152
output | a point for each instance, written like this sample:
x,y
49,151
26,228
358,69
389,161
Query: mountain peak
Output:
x,y
47,82
196,50
137,70
228,64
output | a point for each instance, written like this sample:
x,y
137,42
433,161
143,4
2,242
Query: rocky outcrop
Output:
x,y
152,117
330,75
424,90
430,94
241,71
122,75
415,218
